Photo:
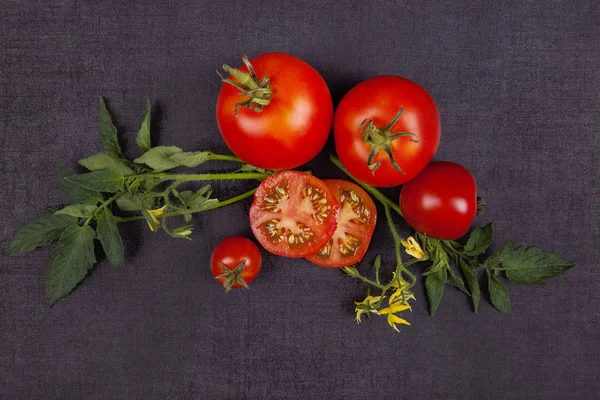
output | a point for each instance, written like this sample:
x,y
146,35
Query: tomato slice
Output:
x,y
356,223
294,214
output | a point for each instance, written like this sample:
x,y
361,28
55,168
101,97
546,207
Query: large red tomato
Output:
x,y
355,227
386,130
274,112
294,214
441,201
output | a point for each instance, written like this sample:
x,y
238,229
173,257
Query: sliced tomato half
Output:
x,y
356,223
294,214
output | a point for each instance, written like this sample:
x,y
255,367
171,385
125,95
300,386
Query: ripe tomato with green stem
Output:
x,y
386,130
441,202
356,223
235,262
275,111
294,214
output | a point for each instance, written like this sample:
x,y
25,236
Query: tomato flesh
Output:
x,y
441,201
356,223
294,214
230,253
292,128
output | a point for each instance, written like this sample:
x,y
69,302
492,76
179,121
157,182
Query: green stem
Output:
x,y
103,206
400,268
376,193
223,157
204,177
370,282
178,213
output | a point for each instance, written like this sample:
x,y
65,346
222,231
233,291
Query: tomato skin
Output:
x,y
380,99
295,208
231,252
292,128
361,231
441,201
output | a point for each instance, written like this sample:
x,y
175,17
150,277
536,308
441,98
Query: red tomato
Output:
x,y
294,214
356,224
386,130
284,122
441,201
235,262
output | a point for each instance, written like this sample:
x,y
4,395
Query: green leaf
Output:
x,y
162,158
159,158
101,181
434,284
532,266
130,202
74,192
70,262
109,236
191,159
102,161
199,200
39,231
472,282
498,293
77,210
143,136
108,132
480,240
457,281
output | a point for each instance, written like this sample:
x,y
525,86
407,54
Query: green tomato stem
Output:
x,y
103,206
376,193
204,177
178,213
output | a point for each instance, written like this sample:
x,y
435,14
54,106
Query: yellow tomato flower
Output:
x,y
393,319
153,214
366,306
413,248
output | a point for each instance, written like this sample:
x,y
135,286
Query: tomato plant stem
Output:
x,y
103,206
177,213
376,193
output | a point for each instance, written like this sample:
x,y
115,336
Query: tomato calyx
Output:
x,y
232,275
380,139
256,90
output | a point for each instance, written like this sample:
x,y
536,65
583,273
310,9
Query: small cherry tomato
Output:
x,y
294,214
235,262
355,227
386,130
441,201
275,111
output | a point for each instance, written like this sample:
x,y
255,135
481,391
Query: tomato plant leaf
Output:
x,y
191,159
108,132
498,293
532,266
102,161
159,158
78,210
472,282
101,181
109,237
162,158
199,200
143,136
130,202
480,240
74,192
457,281
39,231
434,284
70,262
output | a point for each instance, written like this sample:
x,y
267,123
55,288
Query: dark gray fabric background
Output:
x,y
518,88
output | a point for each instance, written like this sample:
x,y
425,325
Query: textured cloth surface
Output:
x,y
518,88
